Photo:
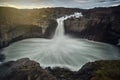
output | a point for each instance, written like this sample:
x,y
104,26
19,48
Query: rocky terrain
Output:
x,y
26,69
17,24
99,24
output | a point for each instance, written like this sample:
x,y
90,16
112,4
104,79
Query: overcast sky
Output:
x,y
59,3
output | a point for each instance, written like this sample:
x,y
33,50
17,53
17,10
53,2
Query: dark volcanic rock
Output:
x,y
85,73
62,73
98,70
49,32
106,70
99,24
14,33
2,57
23,69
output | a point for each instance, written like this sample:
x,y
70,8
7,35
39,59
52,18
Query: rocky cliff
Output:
x,y
23,69
26,69
99,24
17,24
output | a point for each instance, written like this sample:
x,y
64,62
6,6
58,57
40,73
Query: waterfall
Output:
x,y
61,51
60,28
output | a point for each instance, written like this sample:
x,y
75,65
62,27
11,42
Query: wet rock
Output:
x,y
24,69
98,70
61,73
50,31
85,73
2,57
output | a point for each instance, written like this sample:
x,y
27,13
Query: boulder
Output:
x,y
23,69
98,70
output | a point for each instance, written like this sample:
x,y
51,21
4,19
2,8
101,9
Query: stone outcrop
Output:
x,y
50,30
99,24
14,33
98,70
26,69
2,57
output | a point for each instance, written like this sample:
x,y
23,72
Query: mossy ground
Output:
x,y
107,70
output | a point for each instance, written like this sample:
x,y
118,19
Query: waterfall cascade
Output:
x,y
60,28
61,51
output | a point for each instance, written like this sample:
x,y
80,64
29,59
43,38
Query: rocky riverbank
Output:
x,y
26,69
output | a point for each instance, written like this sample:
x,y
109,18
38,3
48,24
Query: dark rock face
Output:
x,y
106,70
2,57
14,33
62,73
26,69
50,30
85,73
23,69
98,70
99,24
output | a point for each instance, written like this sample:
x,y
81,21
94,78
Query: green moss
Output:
x,y
107,70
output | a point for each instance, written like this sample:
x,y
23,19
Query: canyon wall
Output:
x,y
18,24
99,24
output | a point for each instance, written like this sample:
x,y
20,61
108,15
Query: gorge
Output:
x,y
61,47
61,51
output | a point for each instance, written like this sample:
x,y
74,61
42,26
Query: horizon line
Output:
x,y
53,7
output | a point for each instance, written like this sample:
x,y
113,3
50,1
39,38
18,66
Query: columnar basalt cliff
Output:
x,y
99,24
14,33
17,24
